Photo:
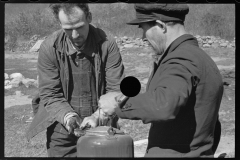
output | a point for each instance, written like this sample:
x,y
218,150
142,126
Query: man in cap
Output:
x,y
76,65
183,93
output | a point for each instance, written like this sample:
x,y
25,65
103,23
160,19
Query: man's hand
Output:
x,y
89,121
108,102
72,121
94,119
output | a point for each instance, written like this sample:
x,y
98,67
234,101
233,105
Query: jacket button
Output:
x,y
127,106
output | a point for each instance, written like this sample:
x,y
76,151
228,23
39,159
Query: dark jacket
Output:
x,y
53,70
181,102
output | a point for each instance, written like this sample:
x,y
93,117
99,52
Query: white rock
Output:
x,y
16,82
199,40
8,87
197,36
203,37
128,45
223,44
206,45
6,76
16,75
210,42
7,82
28,82
222,41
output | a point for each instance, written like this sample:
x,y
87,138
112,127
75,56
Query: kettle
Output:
x,y
105,141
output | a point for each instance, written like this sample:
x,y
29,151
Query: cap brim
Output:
x,y
137,21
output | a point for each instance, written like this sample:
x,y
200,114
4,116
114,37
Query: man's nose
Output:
x,y
74,34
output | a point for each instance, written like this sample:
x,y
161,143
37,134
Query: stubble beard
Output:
x,y
79,44
156,52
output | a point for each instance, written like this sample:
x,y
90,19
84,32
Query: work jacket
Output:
x,y
181,102
53,70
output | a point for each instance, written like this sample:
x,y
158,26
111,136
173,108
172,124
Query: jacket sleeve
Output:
x,y
50,87
173,85
114,67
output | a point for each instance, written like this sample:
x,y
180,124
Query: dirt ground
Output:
x,y
140,69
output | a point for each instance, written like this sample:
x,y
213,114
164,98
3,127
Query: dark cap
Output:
x,y
163,12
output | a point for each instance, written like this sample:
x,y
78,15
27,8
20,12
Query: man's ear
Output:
x,y
162,25
89,17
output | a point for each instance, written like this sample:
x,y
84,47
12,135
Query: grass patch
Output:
x,y
138,50
226,62
22,66
15,126
16,144
220,52
31,91
134,128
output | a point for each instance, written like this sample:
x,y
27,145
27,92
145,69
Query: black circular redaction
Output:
x,y
130,86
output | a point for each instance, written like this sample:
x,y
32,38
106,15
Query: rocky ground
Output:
x,y
137,63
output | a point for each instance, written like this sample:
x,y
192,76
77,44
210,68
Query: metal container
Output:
x,y
105,141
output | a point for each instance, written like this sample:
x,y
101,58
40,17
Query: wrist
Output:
x,y
68,115
120,97
95,114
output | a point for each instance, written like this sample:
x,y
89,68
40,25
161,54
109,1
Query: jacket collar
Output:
x,y
177,42
63,44
180,40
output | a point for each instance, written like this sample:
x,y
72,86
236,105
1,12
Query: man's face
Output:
x,y
75,25
155,37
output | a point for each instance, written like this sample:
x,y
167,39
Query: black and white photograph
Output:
x,y
122,80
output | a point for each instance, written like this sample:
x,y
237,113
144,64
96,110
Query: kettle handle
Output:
x,y
121,100
111,131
